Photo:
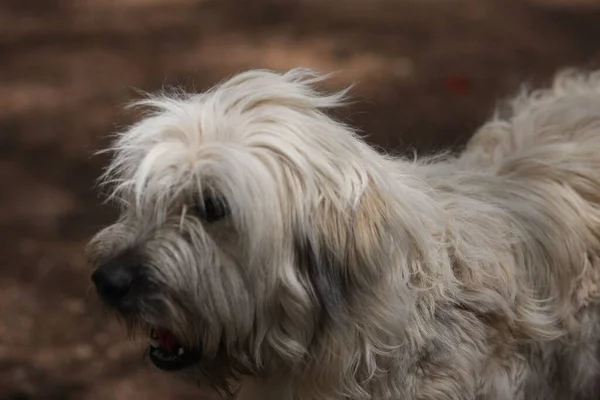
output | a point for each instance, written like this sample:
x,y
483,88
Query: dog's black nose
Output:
x,y
114,281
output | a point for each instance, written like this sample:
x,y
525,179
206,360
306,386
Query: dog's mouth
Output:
x,y
167,353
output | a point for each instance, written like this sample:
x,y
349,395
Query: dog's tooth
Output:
x,y
153,342
180,352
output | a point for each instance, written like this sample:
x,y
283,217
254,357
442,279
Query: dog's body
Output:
x,y
316,268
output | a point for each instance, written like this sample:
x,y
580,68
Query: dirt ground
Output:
x,y
428,72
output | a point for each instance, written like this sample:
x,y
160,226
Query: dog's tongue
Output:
x,y
167,339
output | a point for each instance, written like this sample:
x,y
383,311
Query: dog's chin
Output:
x,y
168,354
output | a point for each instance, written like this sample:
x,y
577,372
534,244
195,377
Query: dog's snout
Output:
x,y
114,281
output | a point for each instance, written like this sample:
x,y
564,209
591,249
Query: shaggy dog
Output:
x,y
266,250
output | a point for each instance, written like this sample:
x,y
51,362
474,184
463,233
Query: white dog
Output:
x,y
265,249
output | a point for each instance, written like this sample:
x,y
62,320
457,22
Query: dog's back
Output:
x,y
544,153
567,112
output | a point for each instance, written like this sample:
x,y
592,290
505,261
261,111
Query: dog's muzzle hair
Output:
x,y
261,244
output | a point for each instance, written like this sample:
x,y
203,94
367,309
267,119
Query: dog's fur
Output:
x,y
343,273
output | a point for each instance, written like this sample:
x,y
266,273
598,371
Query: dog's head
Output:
x,y
250,224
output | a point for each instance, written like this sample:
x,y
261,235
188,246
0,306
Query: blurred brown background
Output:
x,y
428,73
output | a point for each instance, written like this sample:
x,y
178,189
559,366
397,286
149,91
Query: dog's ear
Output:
x,y
341,257
324,271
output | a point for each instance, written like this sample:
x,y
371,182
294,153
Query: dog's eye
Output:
x,y
212,208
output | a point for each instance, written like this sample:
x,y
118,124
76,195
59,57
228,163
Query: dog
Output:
x,y
266,250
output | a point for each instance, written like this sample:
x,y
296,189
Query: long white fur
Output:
x,y
472,276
